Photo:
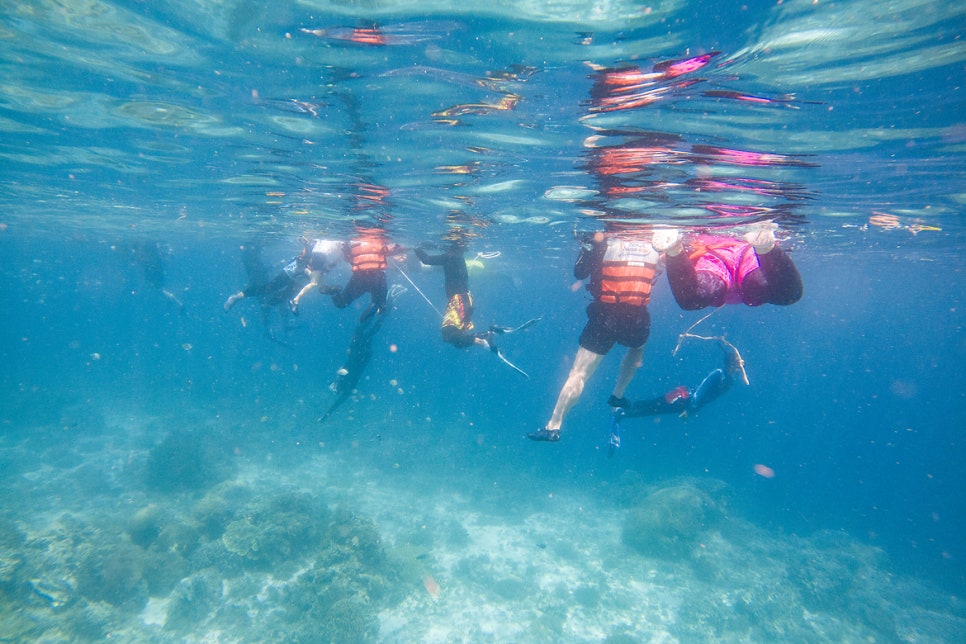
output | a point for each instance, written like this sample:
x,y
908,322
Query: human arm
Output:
x,y
777,280
314,278
693,289
429,260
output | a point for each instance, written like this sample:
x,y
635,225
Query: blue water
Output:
x,y
198,128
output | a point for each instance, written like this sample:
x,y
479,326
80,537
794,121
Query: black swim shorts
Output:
x,y
607,324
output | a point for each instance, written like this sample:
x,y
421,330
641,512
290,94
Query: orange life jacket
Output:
x,y
628,272
368,255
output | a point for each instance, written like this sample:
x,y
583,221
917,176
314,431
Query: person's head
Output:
x,y
456,236
627,229
306,248
368,231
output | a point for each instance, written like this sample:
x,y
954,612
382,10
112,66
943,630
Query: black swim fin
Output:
x,y
499,354
513,329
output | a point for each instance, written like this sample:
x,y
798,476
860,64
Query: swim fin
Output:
x,y
499,354
513,329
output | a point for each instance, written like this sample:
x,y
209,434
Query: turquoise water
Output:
x,y
164,473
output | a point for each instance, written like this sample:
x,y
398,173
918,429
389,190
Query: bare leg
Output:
x,y
632,360
585,364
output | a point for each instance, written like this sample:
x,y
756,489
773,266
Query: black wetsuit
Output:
x,y
357,359
454,268
684,399
277,290
457,321
374,282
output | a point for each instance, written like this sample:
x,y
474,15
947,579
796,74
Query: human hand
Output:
x,y
761,236
667,240
589,240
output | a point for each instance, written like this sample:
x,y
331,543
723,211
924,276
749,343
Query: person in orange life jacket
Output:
x,y
320,256
457,320
622,268
712,270
367,255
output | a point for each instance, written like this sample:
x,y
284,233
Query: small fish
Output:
x,y
764,471
431,586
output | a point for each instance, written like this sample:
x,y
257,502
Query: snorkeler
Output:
x,y
622,266
684,400
357,359
359,353
148,255
367,255
320,256
272,291
457,325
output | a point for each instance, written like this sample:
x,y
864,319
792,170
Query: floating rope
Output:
x,y
418,290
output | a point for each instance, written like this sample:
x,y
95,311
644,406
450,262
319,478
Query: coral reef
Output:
x,y
186,461
336,599
824,569
280,567
146,524
668,522
193,600
218,506
112,570
277,530
88,556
